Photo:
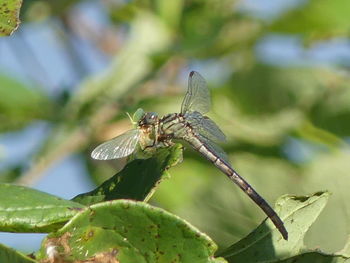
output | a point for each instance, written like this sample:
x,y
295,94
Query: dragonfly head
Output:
x,y
149,118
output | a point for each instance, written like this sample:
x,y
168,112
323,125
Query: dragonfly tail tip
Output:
x,y
284,234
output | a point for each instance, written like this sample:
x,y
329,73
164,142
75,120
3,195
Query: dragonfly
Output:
x,y
192,126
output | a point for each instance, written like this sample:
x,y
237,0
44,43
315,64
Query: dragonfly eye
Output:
x,y
149,118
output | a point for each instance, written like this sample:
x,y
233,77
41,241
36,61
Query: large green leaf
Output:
x,y
9,16
24,209
8,255
129,231
137,180
265,243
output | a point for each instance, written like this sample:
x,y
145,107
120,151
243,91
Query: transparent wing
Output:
x,y
205,126
118,147
197,97
216,149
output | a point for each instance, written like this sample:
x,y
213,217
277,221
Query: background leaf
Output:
x,y
20,105
316,19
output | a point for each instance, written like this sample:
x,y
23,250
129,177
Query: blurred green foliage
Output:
x,y
287,125
316,19
20,104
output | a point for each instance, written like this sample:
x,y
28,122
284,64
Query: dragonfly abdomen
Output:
x,y
238,180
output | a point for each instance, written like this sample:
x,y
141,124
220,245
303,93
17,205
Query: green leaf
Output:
x,y
129,231
137,180
9,16
24,209
12,256
20,104
265,242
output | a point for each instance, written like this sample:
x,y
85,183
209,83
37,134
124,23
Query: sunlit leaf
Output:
x,y
9,16
127,231
24,209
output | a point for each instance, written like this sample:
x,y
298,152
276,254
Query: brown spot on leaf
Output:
x,y
57,249
103,257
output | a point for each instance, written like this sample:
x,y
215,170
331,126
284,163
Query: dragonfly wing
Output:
x,y
197,97
215,149
118,147
205,126
211,130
